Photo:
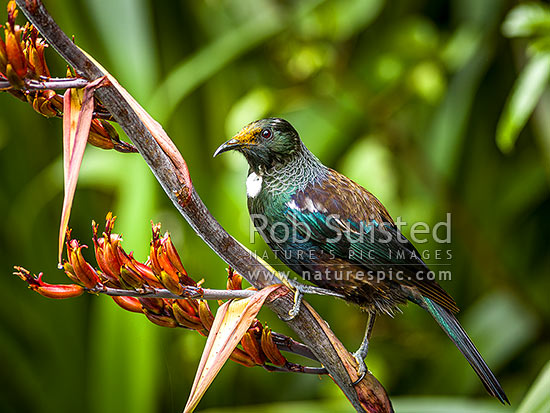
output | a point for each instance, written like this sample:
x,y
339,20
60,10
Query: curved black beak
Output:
x,y
228,146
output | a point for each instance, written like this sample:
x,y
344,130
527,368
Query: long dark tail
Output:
x,y
456,333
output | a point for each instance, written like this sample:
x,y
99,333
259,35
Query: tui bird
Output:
x,y
337,235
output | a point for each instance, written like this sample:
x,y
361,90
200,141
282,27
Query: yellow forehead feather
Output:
x,y
248,134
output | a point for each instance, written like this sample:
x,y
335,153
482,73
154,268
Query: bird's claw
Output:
x,y
299,291
363,350
298,295
361,369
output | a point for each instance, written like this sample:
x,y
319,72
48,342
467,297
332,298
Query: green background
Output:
x,y
404,97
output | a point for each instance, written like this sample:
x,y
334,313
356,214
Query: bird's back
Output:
x,y
336,234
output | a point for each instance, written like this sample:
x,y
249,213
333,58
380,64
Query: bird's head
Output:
x,y
264,143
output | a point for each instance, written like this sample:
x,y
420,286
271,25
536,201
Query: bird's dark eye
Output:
x,y
266,133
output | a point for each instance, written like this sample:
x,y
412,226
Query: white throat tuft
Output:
x,y
253,185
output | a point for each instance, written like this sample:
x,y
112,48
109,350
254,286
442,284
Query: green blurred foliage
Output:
x,y
403,96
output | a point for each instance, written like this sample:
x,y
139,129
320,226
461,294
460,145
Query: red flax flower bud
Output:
x,y
162,320
130,277
42,103
140,270
166,263
56,291
99,249
270,349
234,280
37,60
159,312
241,357
252,347
205,315
128,303
185,315
3,57
99,136
69,271
83,271
14,49
153,305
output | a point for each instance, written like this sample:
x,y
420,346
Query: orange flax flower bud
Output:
x,y
14,52
189,305
36,54
170,261
207,319
98,136
234,280
104,135
171,282
128,303
110,254
69,271
56,102
153,305
85,273
130,277
241,357
48,108
252,347
141,270
14,79
144,272
172,253
184,318
12,12
3,57
162,320
57,291
270,349
154,246
41,103
99,249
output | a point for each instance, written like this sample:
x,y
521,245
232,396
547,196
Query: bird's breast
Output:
x,y
253,185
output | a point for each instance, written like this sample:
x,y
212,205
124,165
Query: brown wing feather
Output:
x,y
341,196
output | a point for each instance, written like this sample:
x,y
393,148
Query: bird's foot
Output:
x,y
362,369
299,291
363,349
360,356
